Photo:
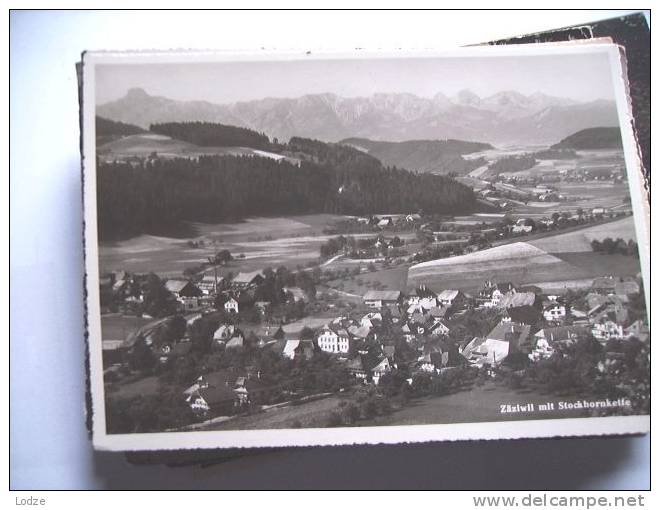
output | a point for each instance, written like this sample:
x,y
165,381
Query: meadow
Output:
x,y
262,242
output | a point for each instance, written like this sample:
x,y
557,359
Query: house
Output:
x,y
492,293
371,319
500,343
249,389
437,312
380,298
421,292
186,293
246,280
356,368
382,368
394,313
231,305
390,352
542,349
214,393
606,329
554,312
236,341
262,306
408,332
333,341
437,327
297,294
562,334
223,333
182,289
451,298
293,348
604,285
529,315
210,284
385,222
517,299
359,331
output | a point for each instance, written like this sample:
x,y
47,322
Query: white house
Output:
x,y
554,312
542,350
382,368
606,329
333,341
231,305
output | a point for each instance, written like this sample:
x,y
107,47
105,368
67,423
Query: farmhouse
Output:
x,y
517,299
451,298
380,298
522,315
182,289
214,393
561,334
246,280
604,284
501,342
209,284
297,294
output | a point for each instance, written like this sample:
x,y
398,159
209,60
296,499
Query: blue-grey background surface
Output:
x,y
49,445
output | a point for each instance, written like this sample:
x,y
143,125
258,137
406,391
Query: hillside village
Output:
x,y
227,345
359,313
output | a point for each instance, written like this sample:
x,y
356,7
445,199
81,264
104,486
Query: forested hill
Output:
x,y
157,196
108,130
210,134
592,138
434,156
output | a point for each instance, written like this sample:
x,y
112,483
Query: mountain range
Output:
x,y
507,117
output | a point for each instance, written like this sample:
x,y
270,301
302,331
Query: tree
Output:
x,y
158,301
140,357
222,257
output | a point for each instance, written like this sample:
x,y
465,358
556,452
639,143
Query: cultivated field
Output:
x,y
559,261
289,241
580,240
145,144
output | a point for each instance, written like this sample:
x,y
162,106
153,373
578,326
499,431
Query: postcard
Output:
x,y
294,249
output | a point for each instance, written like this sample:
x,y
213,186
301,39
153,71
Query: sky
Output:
x,y
583,77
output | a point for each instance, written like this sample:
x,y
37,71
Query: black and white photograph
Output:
x,y
300,249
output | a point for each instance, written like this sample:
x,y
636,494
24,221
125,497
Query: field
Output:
x,y
480,404
118,327
580,240
387,279
264,242
143,145
308,414
562,260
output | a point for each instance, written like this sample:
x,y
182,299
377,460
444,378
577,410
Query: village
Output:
x,y
268,338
